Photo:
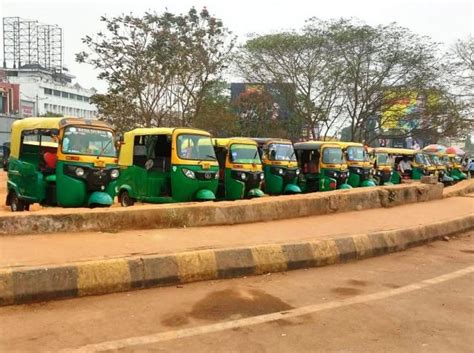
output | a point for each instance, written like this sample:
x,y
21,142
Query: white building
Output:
x,y
45,91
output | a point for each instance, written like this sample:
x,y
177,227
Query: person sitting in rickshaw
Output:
x,y
405,166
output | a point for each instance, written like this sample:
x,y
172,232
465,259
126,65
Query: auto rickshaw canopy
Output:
x,y
315,145
54,123
126,150
226,142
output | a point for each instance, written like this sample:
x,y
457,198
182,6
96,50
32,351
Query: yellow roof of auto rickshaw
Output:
x,y
345,144
315,145
163,131
45,123
268,140
390,150
224,142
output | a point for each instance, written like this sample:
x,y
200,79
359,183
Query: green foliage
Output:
x,y
158,66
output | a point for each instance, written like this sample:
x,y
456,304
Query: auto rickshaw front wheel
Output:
x,y
125,199
16,205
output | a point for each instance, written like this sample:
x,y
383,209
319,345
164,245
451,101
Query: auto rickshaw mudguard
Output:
x,y
325,183
100,198
368,183
205,195
353,180
292,189
345,186
255,193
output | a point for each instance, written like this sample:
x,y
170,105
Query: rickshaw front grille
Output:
x,y
205,175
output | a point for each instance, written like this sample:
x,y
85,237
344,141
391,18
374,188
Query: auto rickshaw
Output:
x,y
280,166
322,165
68,162
163,165
456,165
453,166
420,164
358,163
383,165
240,168
443,175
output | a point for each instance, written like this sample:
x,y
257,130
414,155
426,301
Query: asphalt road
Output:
x,y
420,300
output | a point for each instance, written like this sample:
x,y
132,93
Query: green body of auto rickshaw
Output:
x,y
67,162
322,166
240,168
280,166
163,165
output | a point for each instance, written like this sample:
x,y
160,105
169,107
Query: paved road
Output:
x,y
36,249
420,300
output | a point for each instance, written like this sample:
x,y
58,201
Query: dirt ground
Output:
x,y
437,318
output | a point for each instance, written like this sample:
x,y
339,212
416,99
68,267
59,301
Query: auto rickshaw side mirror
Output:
x,y
54,133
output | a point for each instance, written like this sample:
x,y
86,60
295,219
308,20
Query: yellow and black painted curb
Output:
x,y
218,213
20,285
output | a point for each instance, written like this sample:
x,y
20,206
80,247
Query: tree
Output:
x,y
216,114
158,67
259,114
379,60
303,68
459,79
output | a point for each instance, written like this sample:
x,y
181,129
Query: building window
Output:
x,y
85,99
78,97
64,94
72,96
57,93
48,91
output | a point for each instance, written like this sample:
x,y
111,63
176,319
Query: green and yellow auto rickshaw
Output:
x,y
322,166
358,163
456,167
441,169
280,166
382,165
240,168
163,165
420,163
68,162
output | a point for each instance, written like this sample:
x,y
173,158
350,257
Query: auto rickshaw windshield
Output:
x,y
195,147
383,159
356,154
242,153
88,141
435,160
332,155
281,152
422,159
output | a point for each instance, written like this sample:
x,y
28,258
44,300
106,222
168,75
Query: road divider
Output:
x,y
20,285
460,189
217,213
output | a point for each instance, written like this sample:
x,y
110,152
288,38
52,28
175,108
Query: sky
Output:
x,y
444,21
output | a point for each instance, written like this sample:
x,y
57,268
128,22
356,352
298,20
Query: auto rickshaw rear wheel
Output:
x,y
125,199
16,205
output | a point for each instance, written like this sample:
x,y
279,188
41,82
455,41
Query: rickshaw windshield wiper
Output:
x,y
103,149
211,157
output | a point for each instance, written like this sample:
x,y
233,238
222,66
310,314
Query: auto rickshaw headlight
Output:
x,y
79,171
114,173
243,176
216,176
280,171
297,172
189,173
262,176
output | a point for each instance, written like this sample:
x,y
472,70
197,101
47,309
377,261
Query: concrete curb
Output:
x,y
218,213
460,189
19,285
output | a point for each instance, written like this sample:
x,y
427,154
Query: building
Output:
x,y
43,92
